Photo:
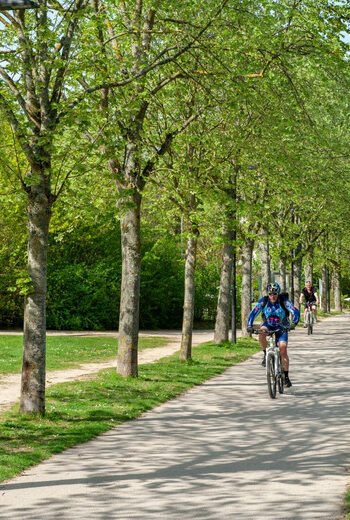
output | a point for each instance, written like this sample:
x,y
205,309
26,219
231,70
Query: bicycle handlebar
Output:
x,y
271,332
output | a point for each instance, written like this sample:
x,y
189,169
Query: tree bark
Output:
x,y
328,292
234,296
34,335
283,273
190,267
247,254
337,289
308,269
265,263
222,323
130,287
297,279
324,296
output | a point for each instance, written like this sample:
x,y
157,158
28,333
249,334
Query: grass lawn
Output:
x,y
80,410
67,351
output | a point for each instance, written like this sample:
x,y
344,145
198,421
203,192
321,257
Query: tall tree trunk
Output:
x,y
292,277
297,278
234,296
222,323
308,268
328,292
247,255
265,262
337,289
188,313
324,296
283,272
34,335
130,287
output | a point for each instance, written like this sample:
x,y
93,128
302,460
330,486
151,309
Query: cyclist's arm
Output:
x,y
301,298
292,308
256,310
316,296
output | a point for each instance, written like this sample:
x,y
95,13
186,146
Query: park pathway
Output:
x,y
222,451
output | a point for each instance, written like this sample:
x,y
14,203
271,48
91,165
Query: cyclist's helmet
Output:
x,y
273,288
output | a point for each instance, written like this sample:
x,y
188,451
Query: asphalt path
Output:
x,y
223,450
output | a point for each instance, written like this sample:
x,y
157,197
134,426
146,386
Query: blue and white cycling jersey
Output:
x,y
274,313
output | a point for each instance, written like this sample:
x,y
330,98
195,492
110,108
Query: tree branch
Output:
x,y
18,96
142,72
66,42
166,145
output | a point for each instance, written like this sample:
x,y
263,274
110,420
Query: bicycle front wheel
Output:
x,y
309,323
270,375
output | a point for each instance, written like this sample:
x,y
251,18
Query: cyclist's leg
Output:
x,y
282,341
314,310
305,311
282,345
262,335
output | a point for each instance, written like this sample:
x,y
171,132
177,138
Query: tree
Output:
x,y
39,60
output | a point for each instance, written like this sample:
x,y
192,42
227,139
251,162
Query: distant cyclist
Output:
x,y
310,295
275,308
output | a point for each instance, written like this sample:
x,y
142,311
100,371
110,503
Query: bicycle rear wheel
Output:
x,y
270,375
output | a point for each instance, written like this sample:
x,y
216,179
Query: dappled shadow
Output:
x,y
221,451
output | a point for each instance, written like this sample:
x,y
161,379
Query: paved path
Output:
x,y
222,451
10,385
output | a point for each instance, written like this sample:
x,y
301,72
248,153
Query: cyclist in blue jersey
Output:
x,y
275,308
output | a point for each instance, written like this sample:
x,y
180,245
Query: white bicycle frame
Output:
x,y
273,348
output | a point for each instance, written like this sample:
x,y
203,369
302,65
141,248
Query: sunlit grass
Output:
x,y
80,410
67,351
347,505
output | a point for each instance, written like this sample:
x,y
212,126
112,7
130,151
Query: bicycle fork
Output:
x,y
274,350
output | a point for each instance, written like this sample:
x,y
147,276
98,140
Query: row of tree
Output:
x,y
228,119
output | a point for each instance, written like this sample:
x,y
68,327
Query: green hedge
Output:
x,y
84,275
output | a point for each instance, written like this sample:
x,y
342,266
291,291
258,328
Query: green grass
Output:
x,y
80,410
66,351
347,505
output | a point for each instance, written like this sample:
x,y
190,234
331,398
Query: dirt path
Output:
x,y
10,385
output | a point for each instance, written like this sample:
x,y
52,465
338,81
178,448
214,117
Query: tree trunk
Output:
x,y
187,322
308,269
34,333
265,263
246,303
297,279
234,297
337,289
222,323
130,287
324,296
283,273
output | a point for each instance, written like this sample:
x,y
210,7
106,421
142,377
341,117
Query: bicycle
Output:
x,y
274,368
309,318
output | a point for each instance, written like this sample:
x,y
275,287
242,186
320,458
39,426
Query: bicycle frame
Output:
x,y
309,318
273,349
276,375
